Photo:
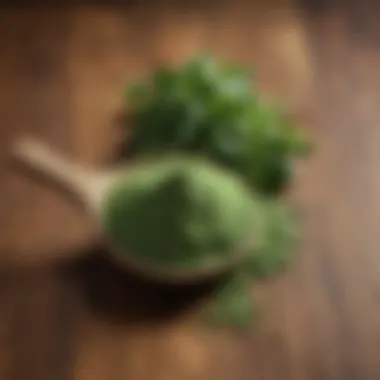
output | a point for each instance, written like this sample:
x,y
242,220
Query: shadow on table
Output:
x,y
123,297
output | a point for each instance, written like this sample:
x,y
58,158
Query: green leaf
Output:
x,y
232,304
281,236
298,143
137,93
164,79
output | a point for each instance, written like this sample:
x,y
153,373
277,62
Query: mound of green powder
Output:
x,y
180,212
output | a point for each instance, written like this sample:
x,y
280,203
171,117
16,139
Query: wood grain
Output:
x,y
67,313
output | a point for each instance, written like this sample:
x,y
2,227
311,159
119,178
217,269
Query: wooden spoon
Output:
x,y
91,187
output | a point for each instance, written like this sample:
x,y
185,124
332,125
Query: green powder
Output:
x,y
180,212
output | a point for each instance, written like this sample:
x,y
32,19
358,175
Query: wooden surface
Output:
x,y
66,313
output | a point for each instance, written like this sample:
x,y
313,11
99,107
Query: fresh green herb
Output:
x,y
281,233
233,308
208,108
232,303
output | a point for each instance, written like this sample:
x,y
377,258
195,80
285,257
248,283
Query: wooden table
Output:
x,y
66,313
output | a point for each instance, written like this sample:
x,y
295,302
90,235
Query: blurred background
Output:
x,y
66,313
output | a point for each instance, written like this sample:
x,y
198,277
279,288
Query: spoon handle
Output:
x,y
41,158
